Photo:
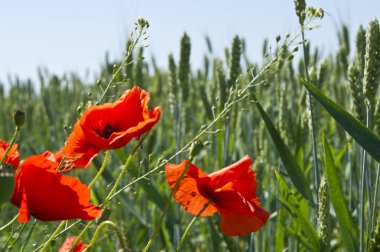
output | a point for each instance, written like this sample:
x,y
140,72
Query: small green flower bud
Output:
x,y
19,117
196,148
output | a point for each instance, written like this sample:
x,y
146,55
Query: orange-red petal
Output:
x,y
238,177
111,126
13,156
190,192
66,246
239,215
47,195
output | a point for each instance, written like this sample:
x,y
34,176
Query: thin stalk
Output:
x,y
55,234
9,223
375,197
57,230
59,234
315,161
167,205
100,228
183,238
29,235
10,237
102,168
364,172
125,61
111,193
15,135
19,234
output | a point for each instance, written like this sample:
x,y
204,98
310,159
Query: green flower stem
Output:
x,y
167,204
100,228
375,197
57,230
29,235
102,168
313,133
183,238
125,61
9,223
15,135
110,194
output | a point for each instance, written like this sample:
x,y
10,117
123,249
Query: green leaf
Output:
x,y
295,206
289,161
337,199
364,136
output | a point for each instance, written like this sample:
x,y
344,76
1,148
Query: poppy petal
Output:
x,y
66,246
239,215
242,224
48,195
111,126
238,176
13,156
188,193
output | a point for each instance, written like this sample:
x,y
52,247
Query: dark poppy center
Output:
x,y
107,131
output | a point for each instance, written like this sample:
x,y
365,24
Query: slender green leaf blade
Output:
x,y
337,199
294,205
364,136
289,161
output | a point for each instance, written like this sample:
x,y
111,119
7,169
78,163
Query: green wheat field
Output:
x,y
311,125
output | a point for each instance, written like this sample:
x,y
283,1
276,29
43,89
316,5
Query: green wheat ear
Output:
x,y
234,62
374,243
360,48
184,66
355,82
324,222
372,63
221,81
173,85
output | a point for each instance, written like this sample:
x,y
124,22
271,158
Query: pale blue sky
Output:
x,y
74,35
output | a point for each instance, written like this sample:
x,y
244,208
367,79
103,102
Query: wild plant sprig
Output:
x,y
140,26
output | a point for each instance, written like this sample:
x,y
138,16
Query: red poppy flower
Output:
x,y
13,156
110,126
66,246
47,195
231,190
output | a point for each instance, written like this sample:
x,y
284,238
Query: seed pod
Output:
x,y
19,118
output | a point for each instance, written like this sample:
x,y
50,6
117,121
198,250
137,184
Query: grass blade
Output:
x,y
294,205
364,136
337,198
289,161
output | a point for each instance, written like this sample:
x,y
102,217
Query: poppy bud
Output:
x,y
19,117
195,148
7,183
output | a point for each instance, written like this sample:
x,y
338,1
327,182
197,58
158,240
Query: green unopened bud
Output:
x,y
300,10
196,148
19,117
7,183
